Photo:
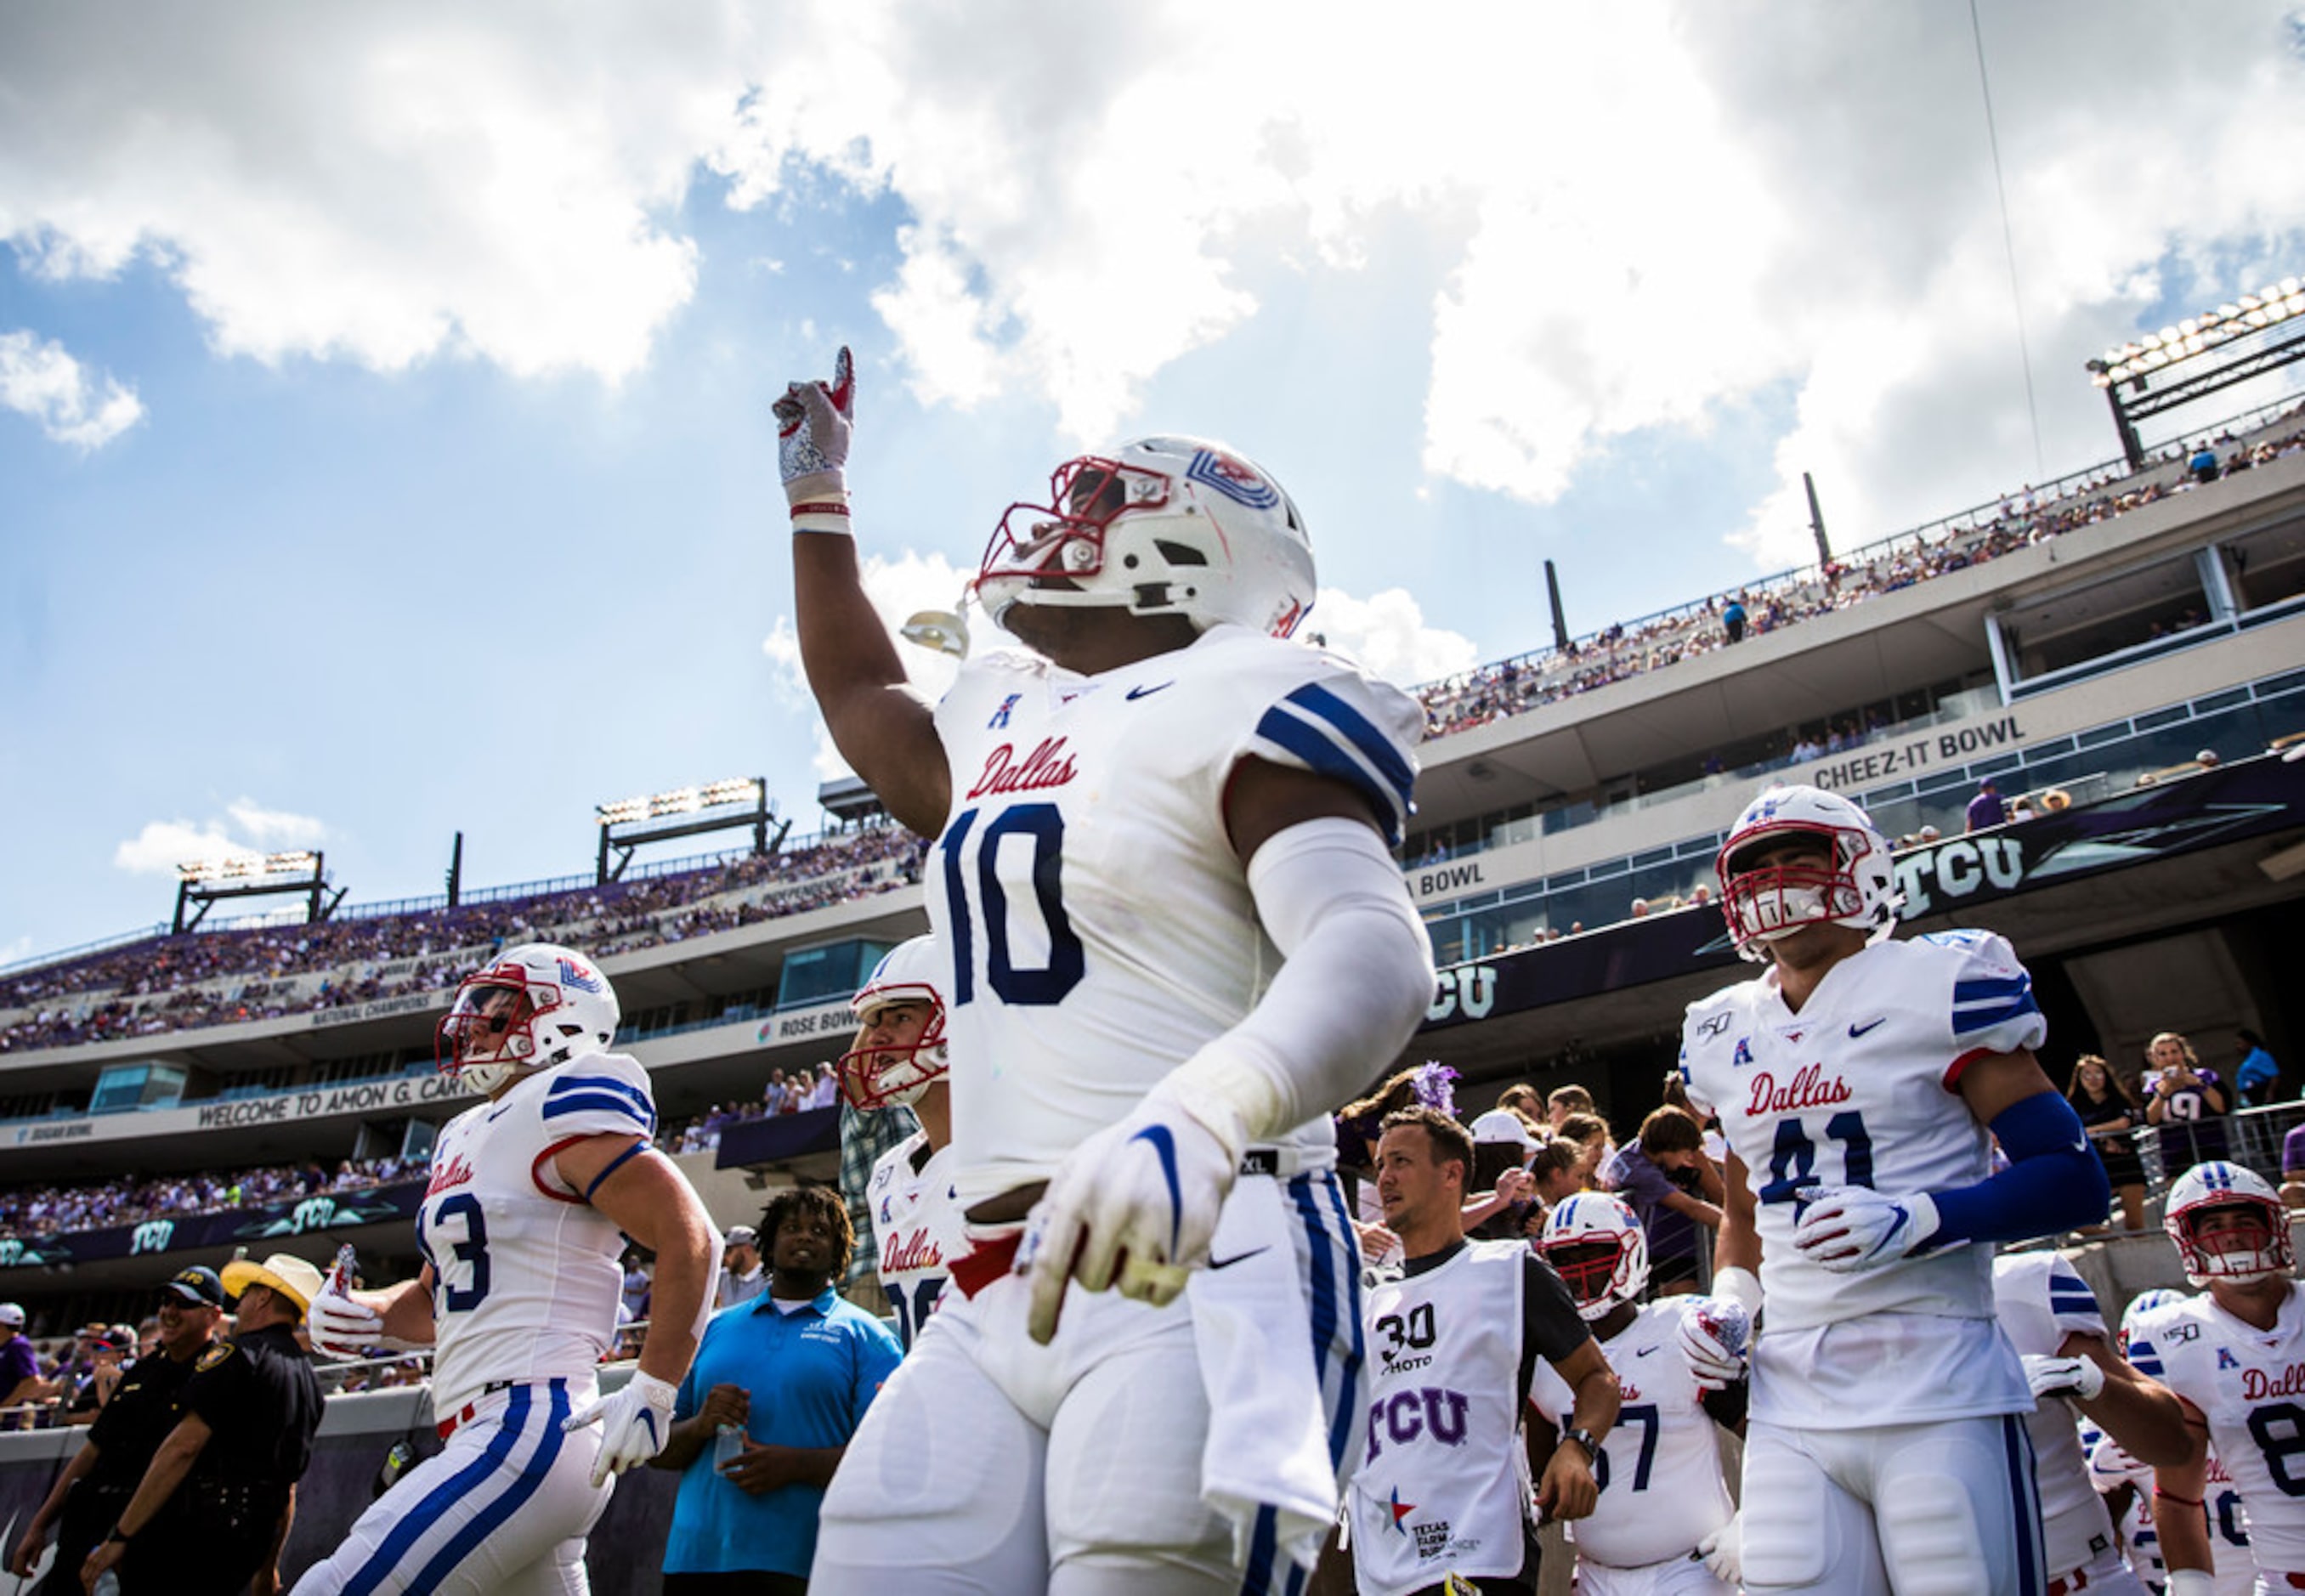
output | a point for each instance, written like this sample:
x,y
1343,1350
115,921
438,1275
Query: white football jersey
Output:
x,y
2250,1385
1861,1088
1099,928
2111,1467
526,1274
1661,1490
916,1219
2042,1300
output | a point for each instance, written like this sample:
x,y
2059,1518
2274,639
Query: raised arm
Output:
x,y
882,726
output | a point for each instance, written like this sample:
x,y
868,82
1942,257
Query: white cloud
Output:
x,y
245,830
40,379
1387,633
275,828
899,589
1647,213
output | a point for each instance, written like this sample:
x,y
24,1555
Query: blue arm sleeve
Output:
x,y
2054,1182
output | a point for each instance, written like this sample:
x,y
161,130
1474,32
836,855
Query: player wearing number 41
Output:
x,y
900,1059
1174,938
1459,1342
1663,1525
1855,1080
2235,1356
519,1228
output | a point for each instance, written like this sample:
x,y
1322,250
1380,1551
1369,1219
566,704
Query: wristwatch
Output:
x,y
118,1534
1585,1438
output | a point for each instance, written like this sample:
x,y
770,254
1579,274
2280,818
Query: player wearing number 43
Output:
x,y
1855,1080
519,1228
2235,1356
1443,1488
1172,940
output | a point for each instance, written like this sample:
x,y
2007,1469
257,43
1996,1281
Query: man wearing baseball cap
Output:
x,y
213,1508
19,1365
94,1488
742,1276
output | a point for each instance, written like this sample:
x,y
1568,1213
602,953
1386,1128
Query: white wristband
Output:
x,y
1740,1286
822,512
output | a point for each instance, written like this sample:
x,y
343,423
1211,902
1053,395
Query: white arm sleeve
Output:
x,y
1355,980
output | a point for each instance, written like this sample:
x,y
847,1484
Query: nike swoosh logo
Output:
x,y
1644,1352
1225,1263
1857,1030
1137,693
1164,1146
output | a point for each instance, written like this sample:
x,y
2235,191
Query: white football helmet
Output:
x,y
873,1077
1162,526
1858,887
1595,1244
538,1006
2141,1304
2228,1255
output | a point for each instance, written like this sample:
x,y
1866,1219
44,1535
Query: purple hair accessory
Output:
x,y
1431,1083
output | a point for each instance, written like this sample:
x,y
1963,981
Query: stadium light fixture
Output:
x,y
680,800
2198,334
629,823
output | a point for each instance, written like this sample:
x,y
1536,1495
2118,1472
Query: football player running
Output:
x,y
1855,1080
1167,911
2235,1356
1661,1526
2051,1317
521,1228
899,1059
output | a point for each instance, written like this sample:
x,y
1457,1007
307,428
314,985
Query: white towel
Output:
x,y
1268,1442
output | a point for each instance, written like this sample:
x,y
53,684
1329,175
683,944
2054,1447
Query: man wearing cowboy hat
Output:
x,y
213,1508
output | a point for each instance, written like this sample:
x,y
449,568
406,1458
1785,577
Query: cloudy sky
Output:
x,y
383,436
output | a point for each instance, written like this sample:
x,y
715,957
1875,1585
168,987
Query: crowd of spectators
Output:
x,y
43,1211
199,979
1619,651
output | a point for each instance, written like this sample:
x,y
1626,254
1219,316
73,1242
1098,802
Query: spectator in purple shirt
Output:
x,y
1986,810
19,1365
1666,1178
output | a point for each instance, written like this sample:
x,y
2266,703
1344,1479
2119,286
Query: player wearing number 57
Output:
x,y
1855,1079
521,1229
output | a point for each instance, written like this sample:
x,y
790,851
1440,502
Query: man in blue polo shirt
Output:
x,y
788,1375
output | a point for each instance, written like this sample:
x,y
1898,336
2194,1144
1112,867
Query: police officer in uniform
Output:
x,y
212,1510
93,1490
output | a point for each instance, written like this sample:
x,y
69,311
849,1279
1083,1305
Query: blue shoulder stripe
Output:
x,y
586,1102
1966,1021
1325,757
1376,747
1986,989
2144,1359
562,1085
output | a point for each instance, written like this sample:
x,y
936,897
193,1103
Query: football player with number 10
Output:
x,y
1174,938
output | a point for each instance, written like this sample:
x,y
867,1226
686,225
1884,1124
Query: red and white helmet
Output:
x,y
873,1077
1858,888
2229,1256
539,1004
1595,1244
1160,526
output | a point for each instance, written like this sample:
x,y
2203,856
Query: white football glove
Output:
x,y
2078,1378
1724,1551
813,423
1714,1366
2190,1581
634,1424
1849,1229
1134,1205
343,1327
